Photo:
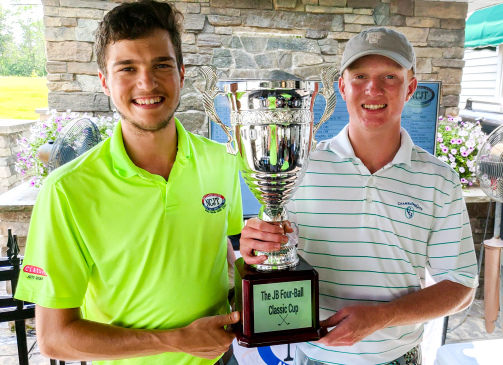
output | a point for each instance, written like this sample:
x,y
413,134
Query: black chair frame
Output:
x,y
15,310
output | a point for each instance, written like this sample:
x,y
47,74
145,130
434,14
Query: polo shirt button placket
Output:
x,y
369,217
370,182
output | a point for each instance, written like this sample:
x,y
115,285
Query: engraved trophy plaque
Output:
x,y
272,127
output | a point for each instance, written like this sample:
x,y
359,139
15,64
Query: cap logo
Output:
x,y
374,37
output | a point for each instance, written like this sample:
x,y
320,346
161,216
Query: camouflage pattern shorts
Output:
x,y
412,357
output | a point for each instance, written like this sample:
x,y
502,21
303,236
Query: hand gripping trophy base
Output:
x,y
286,257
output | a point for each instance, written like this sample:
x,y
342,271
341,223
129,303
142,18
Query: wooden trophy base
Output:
x,y
277,307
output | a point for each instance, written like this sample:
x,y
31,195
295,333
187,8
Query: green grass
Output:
x,y
20,96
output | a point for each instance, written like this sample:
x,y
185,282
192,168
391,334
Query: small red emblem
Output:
x,y
34,270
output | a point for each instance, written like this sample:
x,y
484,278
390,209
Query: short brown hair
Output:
x,y
138,20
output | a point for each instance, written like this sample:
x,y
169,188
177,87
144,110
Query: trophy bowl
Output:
x,y
273,132
272,125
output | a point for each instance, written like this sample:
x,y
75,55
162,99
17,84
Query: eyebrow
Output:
x,y
155,60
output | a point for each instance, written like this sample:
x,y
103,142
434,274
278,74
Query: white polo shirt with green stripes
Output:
x,y
131,249
372,236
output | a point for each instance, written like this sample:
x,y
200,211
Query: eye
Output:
x,y
164,65
390,77
126,69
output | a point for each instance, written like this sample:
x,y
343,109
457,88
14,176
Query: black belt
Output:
x,y
227,356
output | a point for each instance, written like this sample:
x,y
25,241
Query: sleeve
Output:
x,y
450,252
56,266
235,217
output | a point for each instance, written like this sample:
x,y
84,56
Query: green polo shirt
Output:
x,y
131,249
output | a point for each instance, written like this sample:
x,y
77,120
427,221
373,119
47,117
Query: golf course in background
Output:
x,y
20,96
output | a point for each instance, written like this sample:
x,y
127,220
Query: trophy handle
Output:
x,y
328,75
211,91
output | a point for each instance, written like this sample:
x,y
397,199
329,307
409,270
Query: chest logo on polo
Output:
x,y
410,209
34,272
213,203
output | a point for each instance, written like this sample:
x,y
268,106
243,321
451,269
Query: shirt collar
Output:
x,y
342,147
123,164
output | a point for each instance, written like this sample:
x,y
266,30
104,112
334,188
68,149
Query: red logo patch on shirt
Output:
x,y
213,203
34,270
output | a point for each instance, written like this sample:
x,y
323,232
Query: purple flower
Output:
x,y
465,153
440,139
459,141
448,128
445,149
32,183
464,181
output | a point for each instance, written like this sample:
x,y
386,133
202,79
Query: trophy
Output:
x,y
272,127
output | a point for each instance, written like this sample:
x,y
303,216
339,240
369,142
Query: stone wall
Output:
x,y
10,132
256,39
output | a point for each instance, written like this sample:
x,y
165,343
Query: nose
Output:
x,y
374,86
147,80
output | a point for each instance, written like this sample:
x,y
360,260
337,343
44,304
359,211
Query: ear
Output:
x,y
342,87
411,88
103,82
182,75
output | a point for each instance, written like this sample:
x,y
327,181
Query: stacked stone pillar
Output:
x,y
10,132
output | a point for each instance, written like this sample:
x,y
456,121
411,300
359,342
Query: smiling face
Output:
x,y
143,80
375,89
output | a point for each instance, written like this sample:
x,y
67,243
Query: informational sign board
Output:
x,y
419,118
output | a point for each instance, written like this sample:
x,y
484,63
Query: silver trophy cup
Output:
x,y
273,131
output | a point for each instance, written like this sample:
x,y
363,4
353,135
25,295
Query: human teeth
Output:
x,y
374,106
148,101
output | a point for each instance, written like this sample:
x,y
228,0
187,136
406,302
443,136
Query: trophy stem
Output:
x,y
268,214
286,257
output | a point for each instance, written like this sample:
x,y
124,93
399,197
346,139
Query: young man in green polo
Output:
x,y
126,254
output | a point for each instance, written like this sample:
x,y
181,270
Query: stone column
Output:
x,y
11,131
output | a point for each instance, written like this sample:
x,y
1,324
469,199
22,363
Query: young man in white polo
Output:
x,y
372,214
130,239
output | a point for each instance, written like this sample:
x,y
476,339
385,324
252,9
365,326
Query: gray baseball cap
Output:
x,y
380,41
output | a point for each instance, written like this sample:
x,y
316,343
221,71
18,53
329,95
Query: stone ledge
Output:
x,y
8,126
475,195
21,198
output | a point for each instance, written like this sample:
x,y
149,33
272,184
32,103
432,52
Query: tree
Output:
x,y
5,37
25,57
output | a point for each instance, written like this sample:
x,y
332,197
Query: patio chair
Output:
x,y
12,309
